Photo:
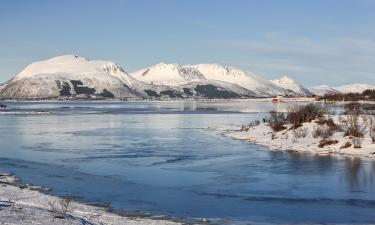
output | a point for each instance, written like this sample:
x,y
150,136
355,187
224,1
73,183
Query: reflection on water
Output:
x,y
360,175
159,158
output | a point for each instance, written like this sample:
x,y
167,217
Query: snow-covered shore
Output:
x,y
302,140
27,206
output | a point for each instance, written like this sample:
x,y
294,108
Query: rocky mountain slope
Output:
x,y
292,85
178,75
323,90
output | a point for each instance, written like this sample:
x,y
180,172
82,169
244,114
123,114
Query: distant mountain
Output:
x,y
323,90
241,78
74,77
344,89
290,84
168,74
67,76
177,75
190,81
354,88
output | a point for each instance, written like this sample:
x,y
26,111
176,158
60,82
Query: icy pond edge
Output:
x,y
23,204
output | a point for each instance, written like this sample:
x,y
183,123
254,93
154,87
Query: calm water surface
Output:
x,y
161,158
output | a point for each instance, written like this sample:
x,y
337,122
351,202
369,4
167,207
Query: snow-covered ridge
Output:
x,y
168,74
344,89
176,75
290,84
354,88
241,78
322,90
72,64
72,75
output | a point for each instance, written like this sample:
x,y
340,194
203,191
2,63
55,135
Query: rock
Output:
x,y
326,142
346,145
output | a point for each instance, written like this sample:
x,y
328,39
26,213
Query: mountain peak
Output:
x,y
290,84
70,64
286,78
168,74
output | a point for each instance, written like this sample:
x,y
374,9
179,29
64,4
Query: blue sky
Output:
x,y
316,42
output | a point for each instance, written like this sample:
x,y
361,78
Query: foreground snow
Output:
x,y
292,140
27,206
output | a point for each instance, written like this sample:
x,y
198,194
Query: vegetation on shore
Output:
x,y
367,95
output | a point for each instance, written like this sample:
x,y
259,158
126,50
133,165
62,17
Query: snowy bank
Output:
x,y
27,206
306,139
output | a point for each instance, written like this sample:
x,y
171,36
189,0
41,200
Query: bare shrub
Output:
x,y
299,114
252,124
300,133
60,208
371,128
328,122
353,124
277,121
323,132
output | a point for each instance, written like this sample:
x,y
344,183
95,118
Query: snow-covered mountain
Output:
x,y
190,81
292,85
349,88
354,88
168,74
72,77
177,75
248,80
323,90
67,76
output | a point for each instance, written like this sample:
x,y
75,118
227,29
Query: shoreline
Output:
x,y
261,99
24,204
286,140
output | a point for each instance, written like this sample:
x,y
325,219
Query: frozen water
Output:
x,y
161,158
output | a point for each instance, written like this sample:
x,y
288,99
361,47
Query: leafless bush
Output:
x,y
299,114
371,128
277,121
300,133
328,122
252,124
353,124
323,132
60,208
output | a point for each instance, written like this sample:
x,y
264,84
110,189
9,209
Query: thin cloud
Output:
x,y
312,61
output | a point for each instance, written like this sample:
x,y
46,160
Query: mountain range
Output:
x,y
74,77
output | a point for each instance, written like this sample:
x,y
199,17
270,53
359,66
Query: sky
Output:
x,y
315,42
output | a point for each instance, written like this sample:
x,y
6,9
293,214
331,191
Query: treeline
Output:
x,y
367,95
